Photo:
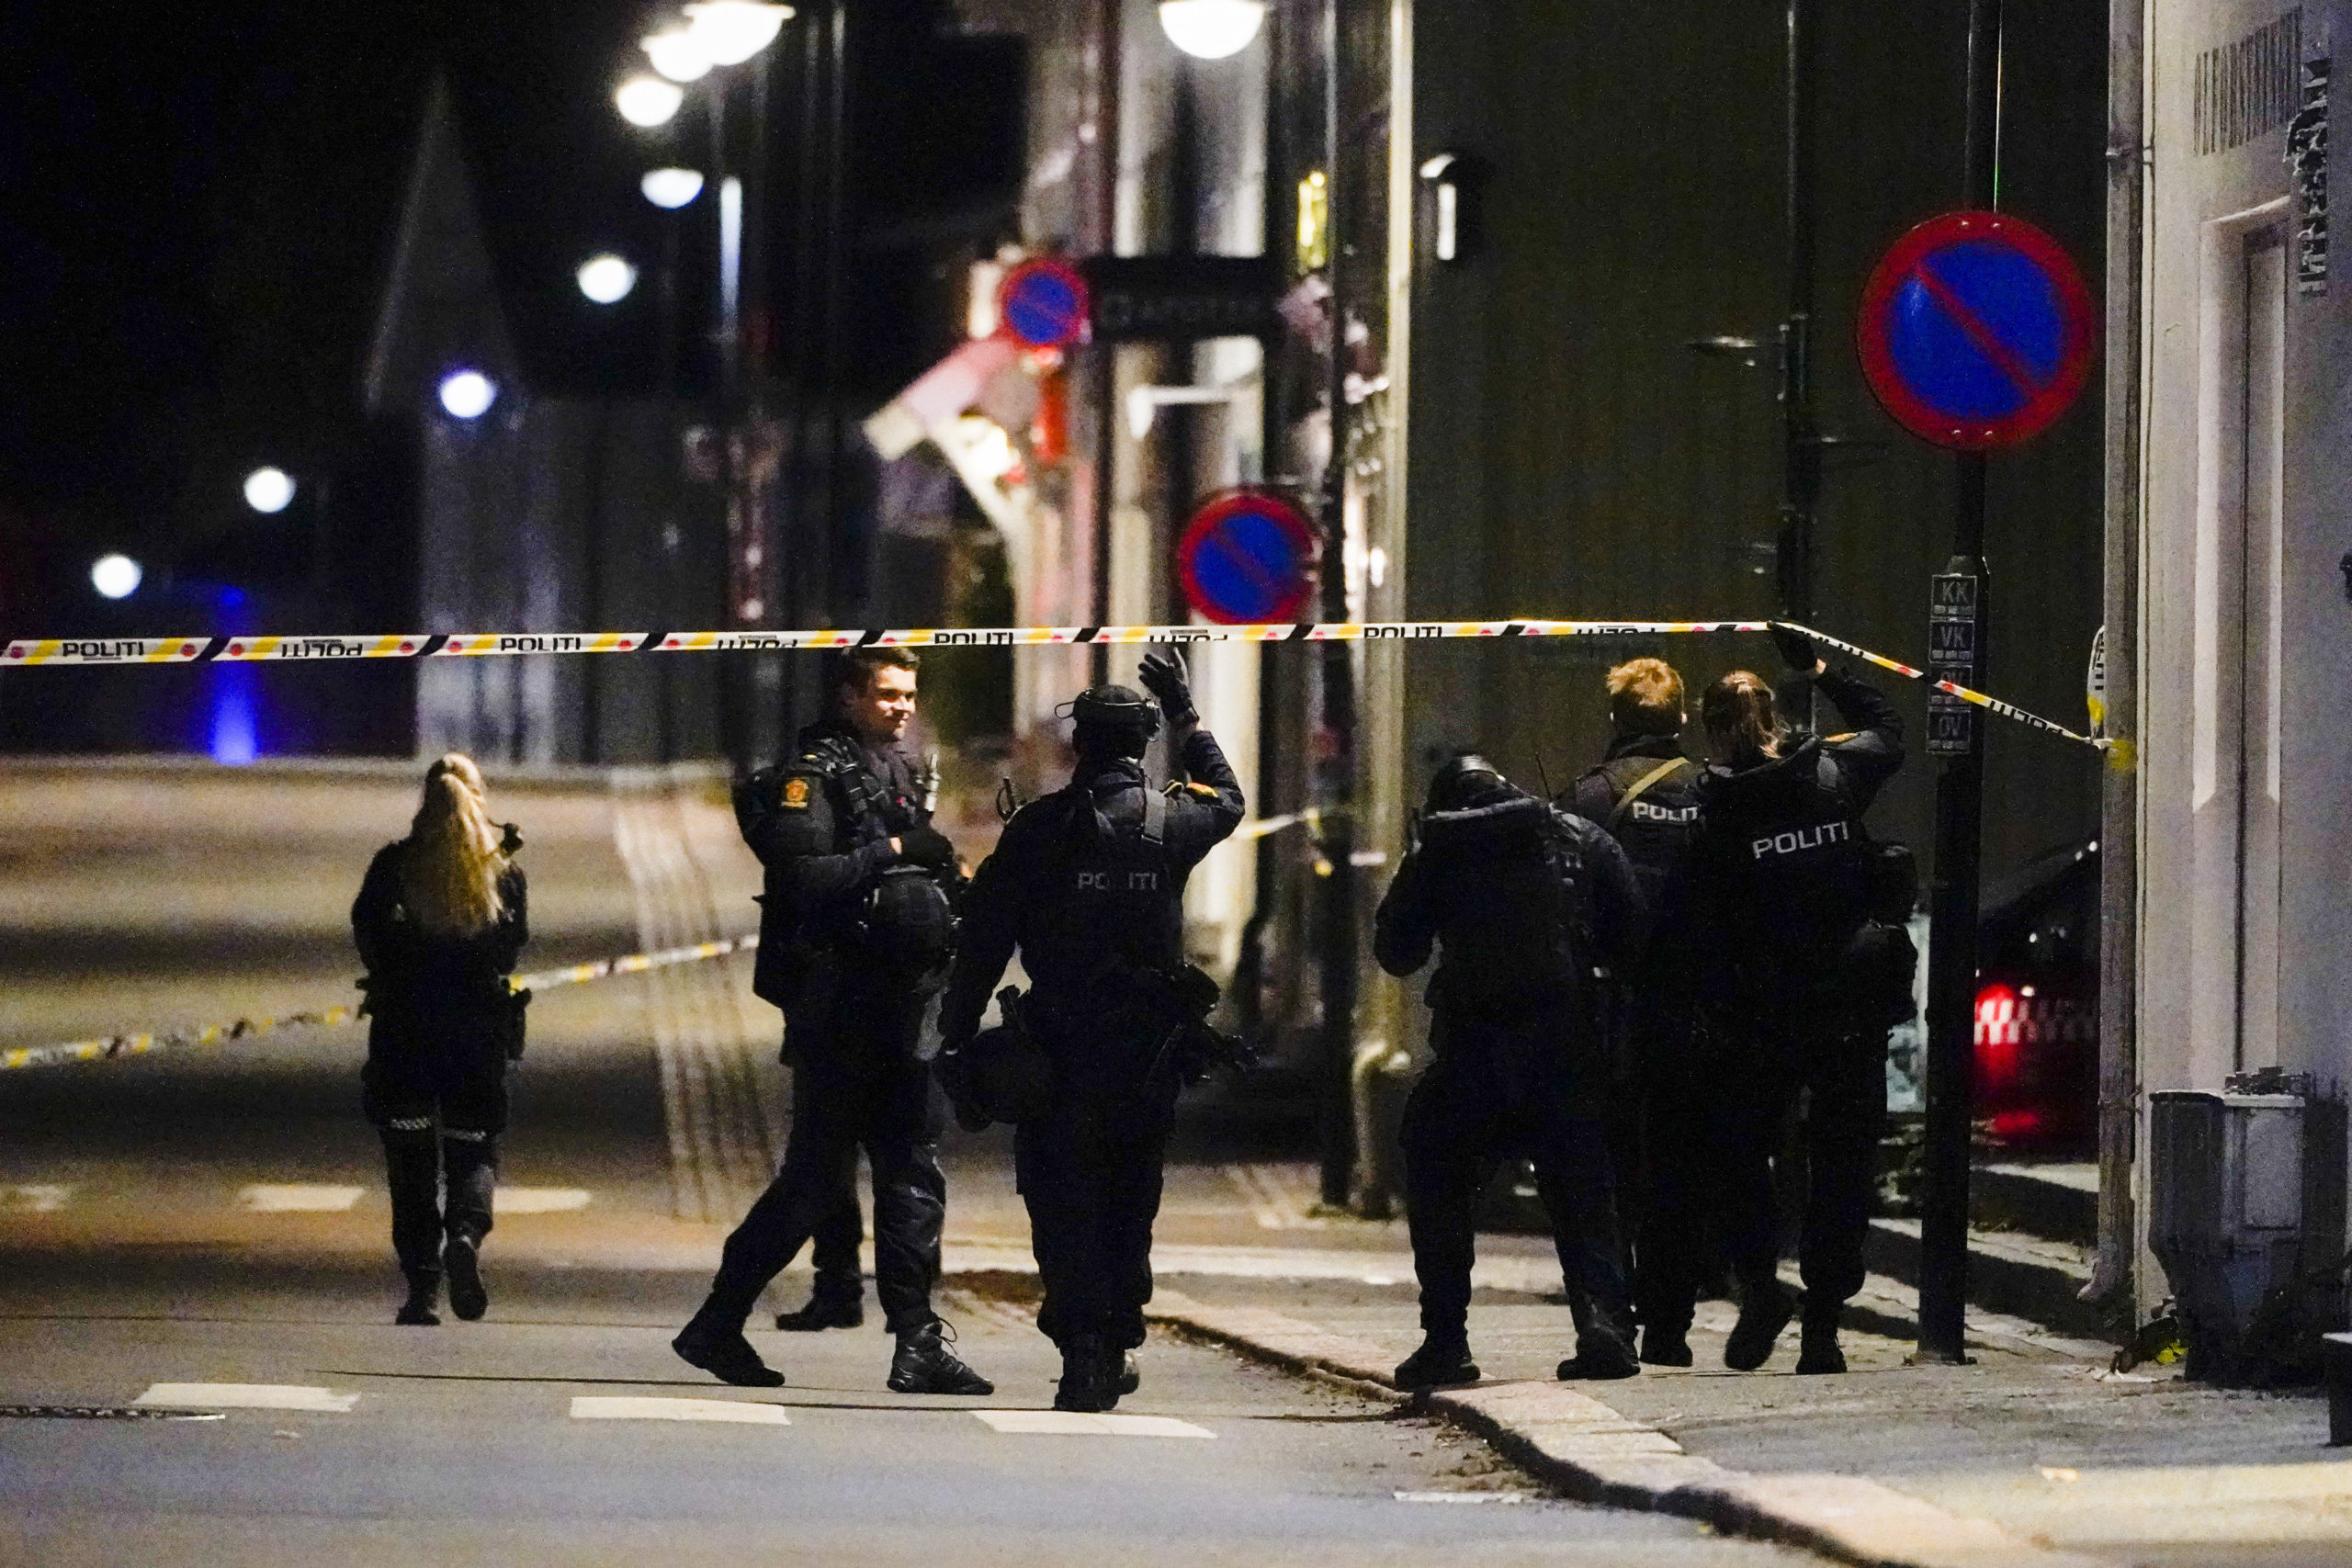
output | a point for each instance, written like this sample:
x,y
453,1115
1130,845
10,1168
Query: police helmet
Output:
x,y
1115,707
1465,780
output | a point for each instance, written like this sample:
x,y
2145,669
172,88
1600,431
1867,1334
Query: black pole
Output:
x,y
1956,651
1336,1106
1799,438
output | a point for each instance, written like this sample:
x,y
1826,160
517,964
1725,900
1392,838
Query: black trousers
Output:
x,y
1089,1174
1501,1087
833,1246
1715,1137
859,1087
440,1128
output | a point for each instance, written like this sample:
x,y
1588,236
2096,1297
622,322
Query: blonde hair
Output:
x,y
1645,697
449,871
1741,726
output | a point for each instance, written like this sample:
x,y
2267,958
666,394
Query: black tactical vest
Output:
x,y
1791,861
1106,899
1658,828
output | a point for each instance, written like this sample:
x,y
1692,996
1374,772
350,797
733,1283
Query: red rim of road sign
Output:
x,y
1069,277
1285,515
2046,402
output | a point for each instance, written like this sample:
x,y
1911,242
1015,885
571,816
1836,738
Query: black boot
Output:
x,y
424,1295
1666,1346
1442,1361
1817,1351
1605,1344
829,1306
461,1260
1089,1376
1765,1308
1130,1375
924,1364
718,1348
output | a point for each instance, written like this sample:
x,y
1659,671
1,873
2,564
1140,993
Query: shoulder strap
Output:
x,y
1155,818
1641,786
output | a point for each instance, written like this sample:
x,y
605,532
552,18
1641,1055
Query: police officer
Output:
x,y
854,936
1786,872
1646,793
1522,902
1088,883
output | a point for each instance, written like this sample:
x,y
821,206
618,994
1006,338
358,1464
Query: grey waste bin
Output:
x,y
2226,1221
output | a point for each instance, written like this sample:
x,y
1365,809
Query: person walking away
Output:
x,y
1646,794
1797,995
855,931
1088,884
1522,902
441,916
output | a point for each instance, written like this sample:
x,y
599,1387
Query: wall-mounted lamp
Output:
x,y
1448,177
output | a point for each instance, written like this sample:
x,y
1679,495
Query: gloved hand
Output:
x,y
926,846
1796,647
1164,676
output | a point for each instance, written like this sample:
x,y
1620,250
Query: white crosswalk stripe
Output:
x,y
607,1407
539,1200
1079,1423
34,1199
246,1396
298,1198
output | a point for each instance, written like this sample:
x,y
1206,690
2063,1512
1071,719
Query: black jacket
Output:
x,y
1522,902
822,827
1784,862
1044,892
432,997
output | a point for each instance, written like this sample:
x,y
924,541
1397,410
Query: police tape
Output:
x,y
114,1046
2119,752
236,649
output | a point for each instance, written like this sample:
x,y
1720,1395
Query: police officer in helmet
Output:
x,y
1522,903
1088,883
1809,969
856,935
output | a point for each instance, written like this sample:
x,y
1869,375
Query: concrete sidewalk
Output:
x,y
2035,1455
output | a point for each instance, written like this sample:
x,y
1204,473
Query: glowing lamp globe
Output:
x,y
678,55
647,101
468,394
670,188
1211,29
269,491
731,31
606,279
115,576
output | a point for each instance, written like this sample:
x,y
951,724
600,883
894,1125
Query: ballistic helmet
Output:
x,y
1115,707
1465,780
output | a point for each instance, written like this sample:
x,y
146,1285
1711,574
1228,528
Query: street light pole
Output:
x,y
1957,653
1800,439
1335,1116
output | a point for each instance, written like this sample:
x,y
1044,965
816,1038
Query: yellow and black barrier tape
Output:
x,y
114,1046
27,653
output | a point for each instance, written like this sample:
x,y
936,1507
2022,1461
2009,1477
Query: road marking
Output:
x,y
246,1396
1461,1496
101,1413
265,1198
1078,1424
539,1200
34,1200
597,1408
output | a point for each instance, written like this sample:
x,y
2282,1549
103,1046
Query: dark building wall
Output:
x,y
1571,457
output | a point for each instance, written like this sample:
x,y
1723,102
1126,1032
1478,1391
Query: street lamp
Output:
x,y
468,394
269,491
647,101
670,188
115,576
1211,29
731,31
678,55
606,279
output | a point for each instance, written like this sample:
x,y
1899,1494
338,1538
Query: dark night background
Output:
x,y
200,205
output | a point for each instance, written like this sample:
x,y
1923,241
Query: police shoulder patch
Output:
x,y
795,794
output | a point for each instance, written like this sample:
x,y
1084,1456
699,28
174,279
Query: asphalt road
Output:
x,y
215,1216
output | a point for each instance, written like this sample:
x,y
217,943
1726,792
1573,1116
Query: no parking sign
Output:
x,y
1975,331
1247,558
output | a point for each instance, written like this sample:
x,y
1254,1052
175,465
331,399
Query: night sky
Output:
x,y
199,207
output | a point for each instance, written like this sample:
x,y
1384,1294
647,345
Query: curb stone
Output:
x,y
1595,1454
